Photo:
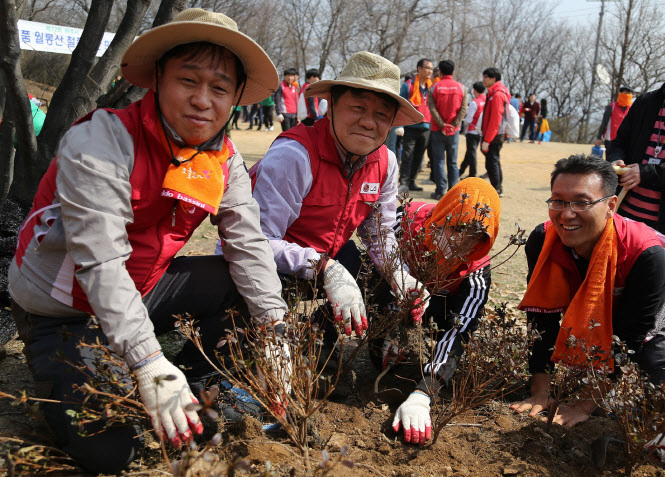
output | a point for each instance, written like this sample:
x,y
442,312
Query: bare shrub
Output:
x,y
494,363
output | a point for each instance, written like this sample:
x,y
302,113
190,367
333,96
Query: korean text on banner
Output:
x,y
55,39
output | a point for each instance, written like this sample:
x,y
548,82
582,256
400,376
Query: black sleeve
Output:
x,y
456,316
547,324
311,107
606,119
642,299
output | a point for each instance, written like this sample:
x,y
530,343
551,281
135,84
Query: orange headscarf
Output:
x,y
415,95
479,193
625,99
549,291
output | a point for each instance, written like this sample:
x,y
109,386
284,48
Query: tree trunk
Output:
x,y
18,104
96,82
61,113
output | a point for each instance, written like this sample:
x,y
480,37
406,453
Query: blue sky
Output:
x,y
580,11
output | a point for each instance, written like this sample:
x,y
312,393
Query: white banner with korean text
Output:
x,y
55,39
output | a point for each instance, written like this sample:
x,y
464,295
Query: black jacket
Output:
x,y
632,141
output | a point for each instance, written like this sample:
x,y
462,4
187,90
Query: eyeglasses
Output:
x,y
575,205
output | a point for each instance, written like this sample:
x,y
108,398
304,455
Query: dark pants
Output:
x,y
290,120
414,144
470,158
529,125
444,150
201,286
236,116
267,116
493,164
609,149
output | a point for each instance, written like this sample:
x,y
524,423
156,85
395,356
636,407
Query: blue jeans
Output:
x,y
444,150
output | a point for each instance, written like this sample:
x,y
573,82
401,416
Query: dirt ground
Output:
x,y
490,441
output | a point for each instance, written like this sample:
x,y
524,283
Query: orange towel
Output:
x,y
199,179
416,96
549,291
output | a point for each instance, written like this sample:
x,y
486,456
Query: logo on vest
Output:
x,y
370,188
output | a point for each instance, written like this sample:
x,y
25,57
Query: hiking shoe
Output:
x,y
436,195
234,403
414,187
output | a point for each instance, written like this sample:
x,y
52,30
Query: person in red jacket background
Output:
x,y
286,100
472,119
494,136
613,117
447,104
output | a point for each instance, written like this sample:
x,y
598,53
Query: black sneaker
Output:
x,y
436,195
414,187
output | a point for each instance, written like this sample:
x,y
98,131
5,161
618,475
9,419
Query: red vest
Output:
x,y
316,103
290,96
480,102
634,238
419,212
618,113
448,96
335,206
153,238
423,108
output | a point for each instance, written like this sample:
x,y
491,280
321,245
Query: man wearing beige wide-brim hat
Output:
x,y
126,192
318,184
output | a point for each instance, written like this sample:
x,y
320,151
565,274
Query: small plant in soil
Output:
x,y
637,406
567,381
494,363
290,389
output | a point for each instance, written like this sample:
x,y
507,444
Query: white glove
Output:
x,y
345,297
280,118
165,394
414,417
279,356
399,131
405,286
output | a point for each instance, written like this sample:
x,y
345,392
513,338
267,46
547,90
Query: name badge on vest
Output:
x,y
369,188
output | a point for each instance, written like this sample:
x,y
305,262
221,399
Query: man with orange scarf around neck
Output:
x,y
589,263
125,193
416,136
456,309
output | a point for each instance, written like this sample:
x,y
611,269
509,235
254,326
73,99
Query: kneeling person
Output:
x,y
317,185
125,193
457,308
589,263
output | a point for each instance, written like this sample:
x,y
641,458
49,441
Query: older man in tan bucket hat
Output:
x,y
126,192
318,184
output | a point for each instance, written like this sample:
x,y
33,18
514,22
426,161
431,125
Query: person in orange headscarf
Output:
x,y
604,273
469,211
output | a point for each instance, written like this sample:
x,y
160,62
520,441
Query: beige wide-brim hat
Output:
x,y
366,70
195,25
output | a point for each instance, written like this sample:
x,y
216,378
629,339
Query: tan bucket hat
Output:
x,y
366,70
194,25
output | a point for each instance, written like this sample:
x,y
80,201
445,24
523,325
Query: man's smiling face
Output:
x,y
581,230
362,120
196,95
